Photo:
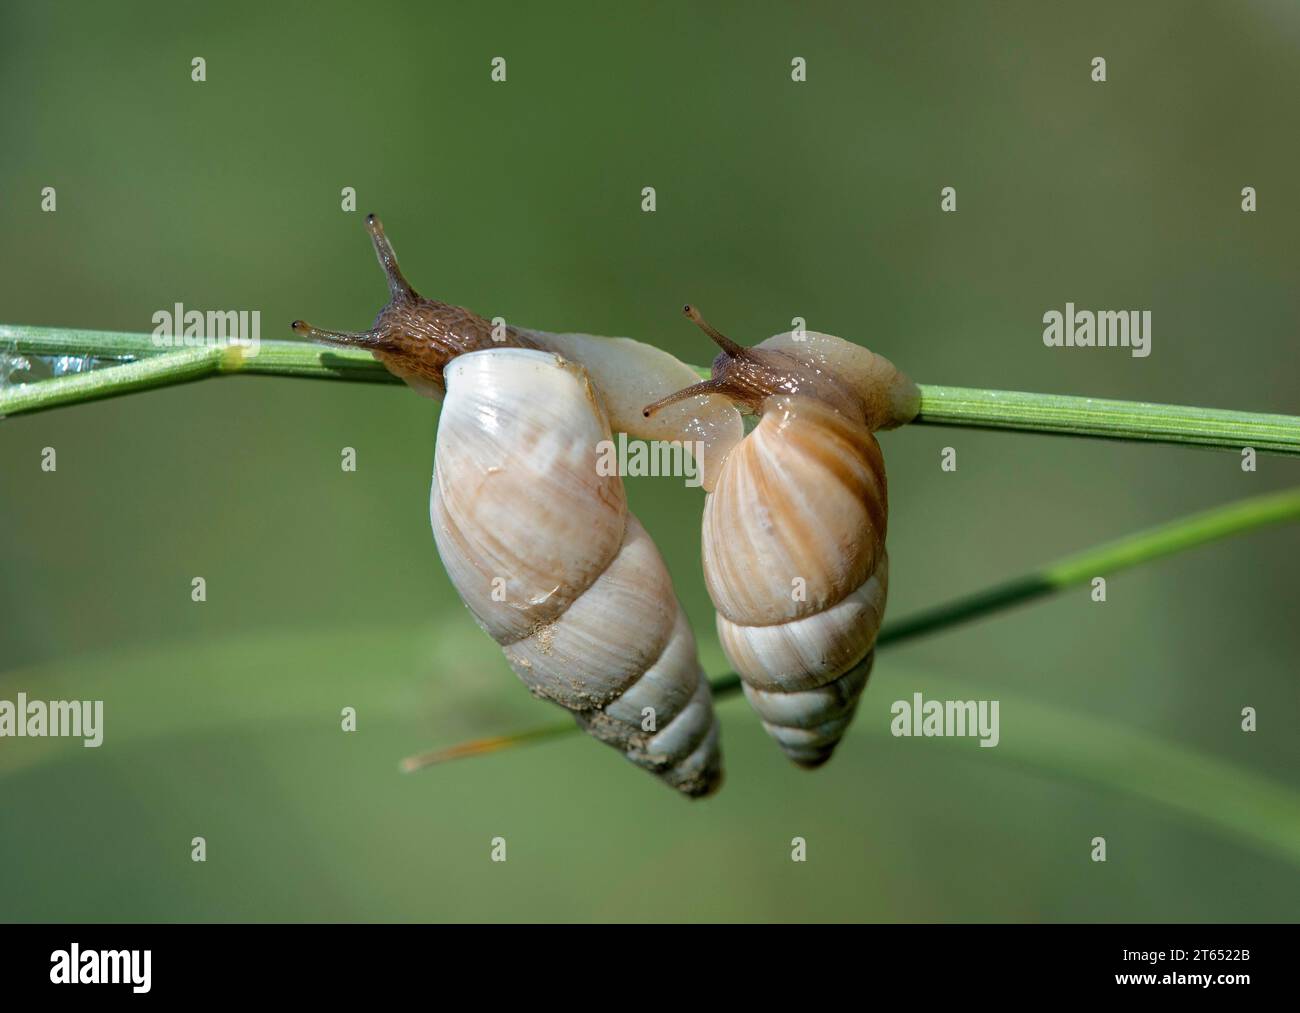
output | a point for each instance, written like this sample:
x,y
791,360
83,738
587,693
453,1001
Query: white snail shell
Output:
x,y
583,605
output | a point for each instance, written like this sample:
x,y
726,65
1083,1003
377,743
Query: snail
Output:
x,y
540,546
794,526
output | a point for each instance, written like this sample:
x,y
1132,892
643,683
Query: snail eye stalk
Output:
x,y
725,343
398,287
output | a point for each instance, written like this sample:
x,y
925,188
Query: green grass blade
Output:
x,y
1018,411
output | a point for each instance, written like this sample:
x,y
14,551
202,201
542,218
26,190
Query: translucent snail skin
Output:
x,y
539,544
794,526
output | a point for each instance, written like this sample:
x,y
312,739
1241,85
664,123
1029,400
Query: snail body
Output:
x,y
794,527
416,337
538,543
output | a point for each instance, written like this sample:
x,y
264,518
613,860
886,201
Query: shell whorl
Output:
x,y
545,554
795,561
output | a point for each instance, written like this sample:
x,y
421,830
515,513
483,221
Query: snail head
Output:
x,y
749,376
413,336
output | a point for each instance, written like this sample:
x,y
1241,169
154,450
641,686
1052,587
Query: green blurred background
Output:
x,y
775,199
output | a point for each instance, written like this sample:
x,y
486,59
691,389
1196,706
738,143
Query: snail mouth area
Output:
x,y
423,375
